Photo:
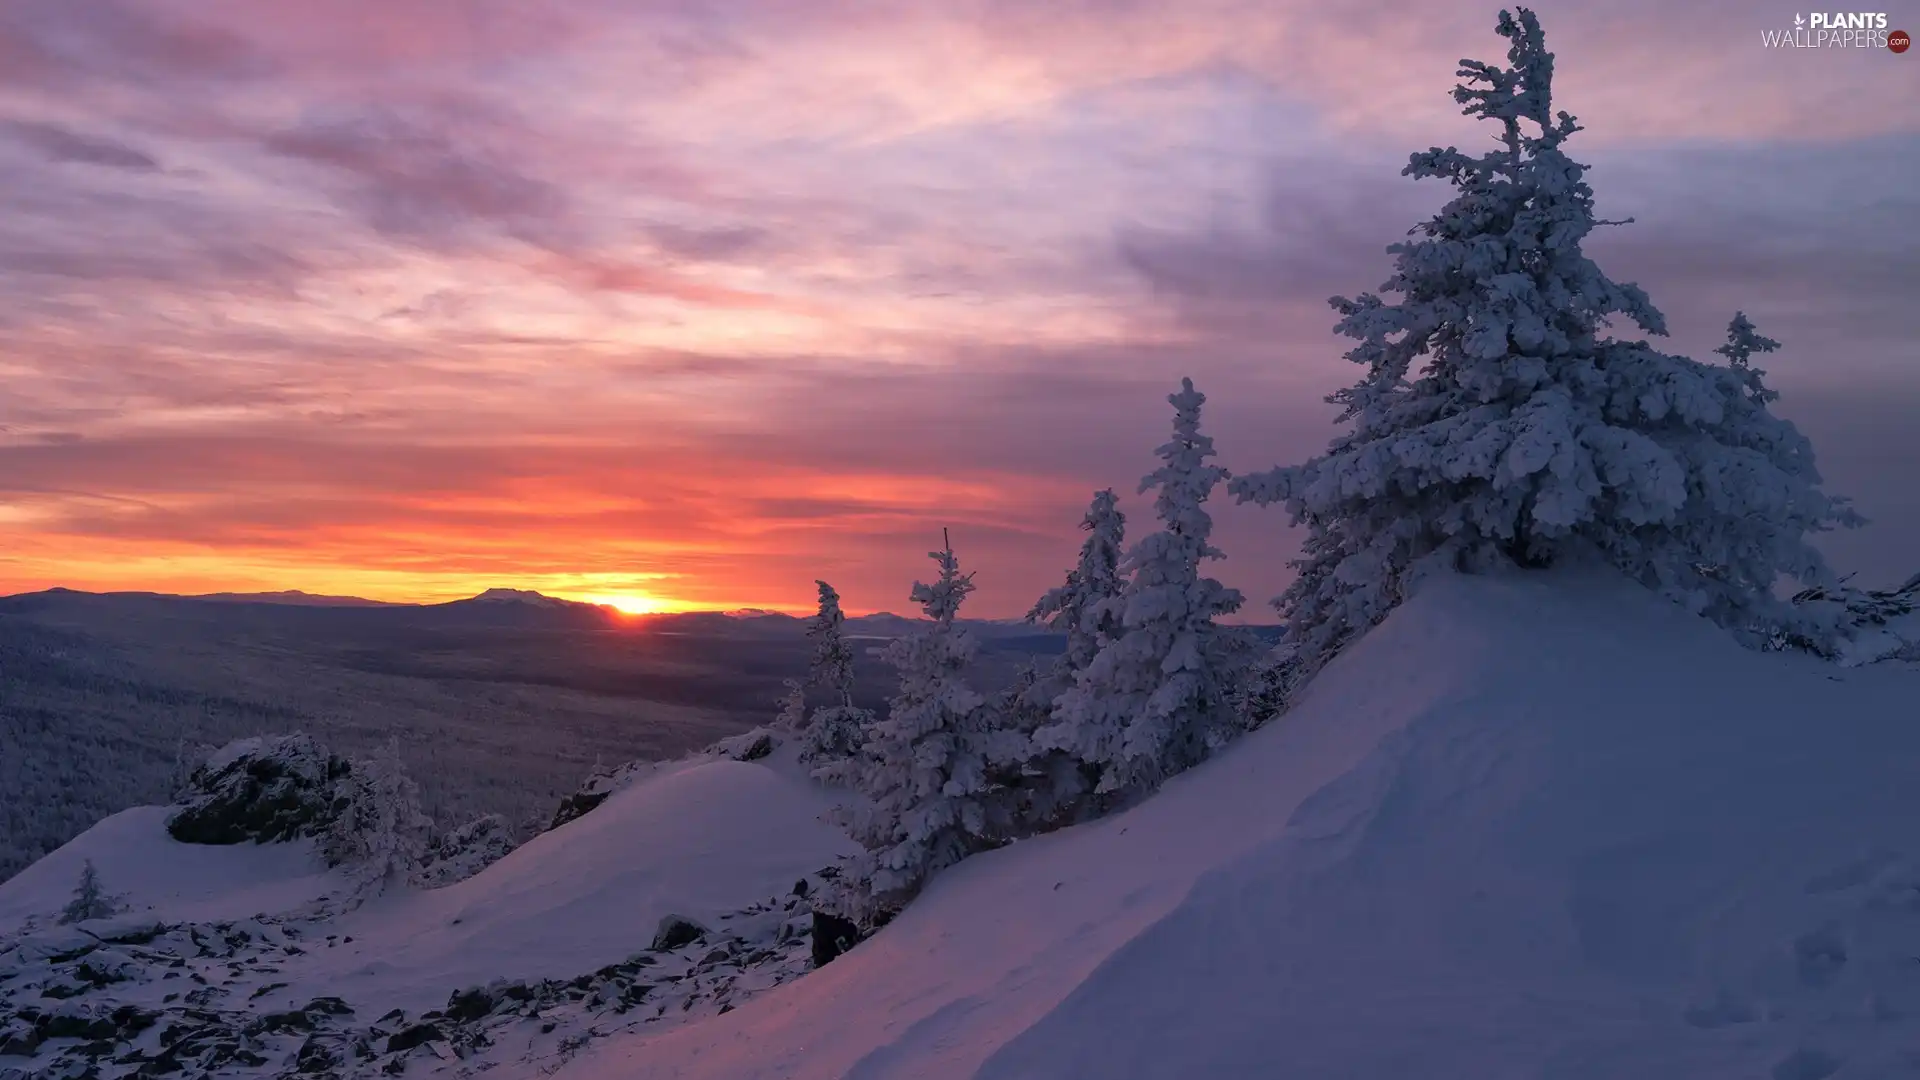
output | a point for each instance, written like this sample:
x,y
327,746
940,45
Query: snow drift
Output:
x,y
1536,824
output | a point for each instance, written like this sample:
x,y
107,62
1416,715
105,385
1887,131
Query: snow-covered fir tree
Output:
x,y
380,837
1159,697
1086,609
1498,421
926,767
833,735
90,901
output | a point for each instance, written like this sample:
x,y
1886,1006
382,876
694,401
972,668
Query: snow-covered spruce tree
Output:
x,y
925,767
836,730
1159,697
1082,607
832,665
90,901
1497,421
1086,609
380,837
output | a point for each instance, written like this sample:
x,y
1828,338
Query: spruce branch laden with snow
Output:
x,y
1498,422
1158,697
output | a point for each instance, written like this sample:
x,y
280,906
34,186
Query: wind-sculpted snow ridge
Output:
x,y
146,999
1534,824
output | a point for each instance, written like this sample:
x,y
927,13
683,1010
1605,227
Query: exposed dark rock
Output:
x,y
417,1035
577,805
98,974
751,747
470,1004
20,1044
801,888
832,935
315,1056
131,1020
74,1026
676,931
261,790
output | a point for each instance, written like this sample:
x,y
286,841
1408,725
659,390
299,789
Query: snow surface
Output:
x,y
698,838
1532,825
148,873
697,841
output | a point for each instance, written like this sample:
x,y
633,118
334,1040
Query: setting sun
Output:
x,y
631,603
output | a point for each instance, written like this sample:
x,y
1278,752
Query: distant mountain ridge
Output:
x,y
292,597
519,605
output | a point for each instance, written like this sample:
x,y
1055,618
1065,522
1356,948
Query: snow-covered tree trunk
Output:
x,y
926,767
1497,421
1159,697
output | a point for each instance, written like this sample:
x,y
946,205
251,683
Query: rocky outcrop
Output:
x,y
749,746
832,935
262,790
676,931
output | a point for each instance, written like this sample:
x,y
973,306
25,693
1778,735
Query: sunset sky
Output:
x,y
698,302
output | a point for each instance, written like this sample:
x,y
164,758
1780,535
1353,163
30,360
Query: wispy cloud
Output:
x,y
415,296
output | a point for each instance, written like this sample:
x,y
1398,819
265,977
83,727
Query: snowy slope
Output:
x,y
150,873
697,841
1540,825
224,965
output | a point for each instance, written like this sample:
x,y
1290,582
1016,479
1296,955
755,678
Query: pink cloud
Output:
x,y
442,292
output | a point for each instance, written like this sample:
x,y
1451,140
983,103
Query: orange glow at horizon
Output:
x,y
633,604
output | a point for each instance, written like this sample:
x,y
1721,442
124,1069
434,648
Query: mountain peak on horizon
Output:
x,y
523,596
